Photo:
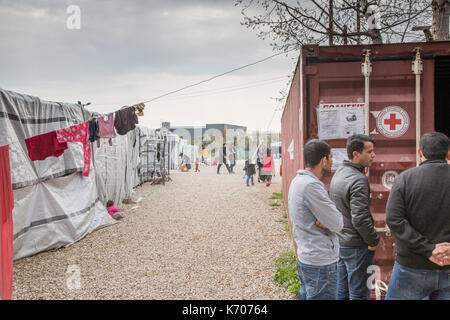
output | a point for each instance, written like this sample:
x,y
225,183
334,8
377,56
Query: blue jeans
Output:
x,y
248,178
416,284
317,282
352,269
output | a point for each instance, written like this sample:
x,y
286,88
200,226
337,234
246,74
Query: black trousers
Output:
x,y
226,165
261,177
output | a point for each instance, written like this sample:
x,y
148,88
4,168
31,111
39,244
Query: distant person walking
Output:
x,y
268,166
222,158
232,156
418,214
197,163
314,223
259,163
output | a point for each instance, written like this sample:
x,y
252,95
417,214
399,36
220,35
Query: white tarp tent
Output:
x,y
54,205
119,167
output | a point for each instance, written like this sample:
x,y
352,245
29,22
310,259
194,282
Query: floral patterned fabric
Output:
x,y
78,133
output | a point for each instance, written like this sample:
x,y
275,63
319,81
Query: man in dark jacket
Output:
x,y
223,159
418,214
350,191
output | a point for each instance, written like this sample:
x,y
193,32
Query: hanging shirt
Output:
x,y
44,145
6,225
78,133
125,120
106,127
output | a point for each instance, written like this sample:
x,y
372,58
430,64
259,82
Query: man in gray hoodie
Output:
x,y
314,221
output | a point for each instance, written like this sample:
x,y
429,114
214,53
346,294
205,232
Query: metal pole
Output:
x,y
154,159
168,158
417,69
366,69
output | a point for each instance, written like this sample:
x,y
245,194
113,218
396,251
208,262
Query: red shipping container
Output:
x,y
331,77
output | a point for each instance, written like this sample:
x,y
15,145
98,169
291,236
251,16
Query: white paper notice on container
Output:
x,y
340,120
339,155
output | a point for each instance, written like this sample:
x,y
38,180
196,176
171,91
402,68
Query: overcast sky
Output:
x,y
132,51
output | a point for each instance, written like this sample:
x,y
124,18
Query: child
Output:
x,y
249,169
113,211
196,165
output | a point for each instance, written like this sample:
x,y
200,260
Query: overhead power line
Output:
x,y
219,75
214,92
237,86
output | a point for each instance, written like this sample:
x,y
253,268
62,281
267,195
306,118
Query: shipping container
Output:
x,y
400,90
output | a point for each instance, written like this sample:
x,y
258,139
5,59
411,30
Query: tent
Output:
x,y
54,205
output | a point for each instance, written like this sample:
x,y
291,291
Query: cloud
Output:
x,y
138,50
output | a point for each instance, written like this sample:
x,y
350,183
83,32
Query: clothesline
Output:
x,y
139,107
54,143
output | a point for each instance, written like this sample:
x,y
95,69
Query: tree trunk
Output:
x,y
441,15
372,23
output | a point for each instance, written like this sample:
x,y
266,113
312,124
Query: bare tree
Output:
x,y
441,16
290,24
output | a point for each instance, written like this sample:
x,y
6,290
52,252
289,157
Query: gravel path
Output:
x,y
201,236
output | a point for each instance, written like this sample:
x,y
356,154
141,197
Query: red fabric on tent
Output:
x,y
6,225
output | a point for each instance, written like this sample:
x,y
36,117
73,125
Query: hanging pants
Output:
x,y
6,225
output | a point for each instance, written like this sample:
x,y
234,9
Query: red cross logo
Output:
x,y
392,121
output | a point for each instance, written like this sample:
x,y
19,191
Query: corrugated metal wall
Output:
x,y
290,133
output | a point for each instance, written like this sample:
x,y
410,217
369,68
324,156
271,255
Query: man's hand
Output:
x,y
372,248
441,254
320,225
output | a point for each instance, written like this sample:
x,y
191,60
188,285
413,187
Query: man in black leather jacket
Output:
x,y
350,191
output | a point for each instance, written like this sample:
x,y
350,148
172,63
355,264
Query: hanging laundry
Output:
x,y
93,131
6,225
106,128
125,120
140,109
78,133
44,145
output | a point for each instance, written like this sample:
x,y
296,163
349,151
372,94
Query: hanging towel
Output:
x,y
44,145
93,131
106,127
6,225
78,133
125,120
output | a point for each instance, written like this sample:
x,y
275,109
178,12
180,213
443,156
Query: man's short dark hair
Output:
x,y
314,151
356,143
434,145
